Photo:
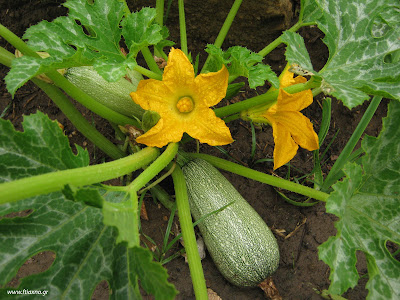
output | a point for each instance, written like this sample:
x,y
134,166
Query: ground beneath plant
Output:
x,y
299,230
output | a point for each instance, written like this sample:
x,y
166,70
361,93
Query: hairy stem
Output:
x,y
225,28
348,149
182,27
151,171
78,120
266,98
51,182
189,237
151,63
261,177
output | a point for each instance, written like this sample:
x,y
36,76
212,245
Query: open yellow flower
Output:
x,y
183,102
290,127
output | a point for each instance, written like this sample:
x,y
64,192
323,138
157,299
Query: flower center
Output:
x,y
185,104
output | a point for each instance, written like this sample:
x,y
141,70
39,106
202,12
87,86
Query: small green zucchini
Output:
x,y
114,95
238,240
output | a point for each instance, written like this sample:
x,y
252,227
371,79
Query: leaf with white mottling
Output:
x,y
296,51
40,148
85,248
367,203
359,35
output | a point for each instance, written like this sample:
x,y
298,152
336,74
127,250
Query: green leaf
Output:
x,y
118,210
241,61
359,35
367,203
89,35
296,51
310,11
140,30
85,248
153,276
40,148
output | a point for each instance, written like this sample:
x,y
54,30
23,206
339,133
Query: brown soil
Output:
x,y
301,274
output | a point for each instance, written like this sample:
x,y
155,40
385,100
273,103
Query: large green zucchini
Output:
x,y
238,240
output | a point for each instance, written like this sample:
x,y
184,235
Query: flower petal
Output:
x,y
285,147
211,87
288,80
153,95
208,128
161,134
179,72
299,126
294,102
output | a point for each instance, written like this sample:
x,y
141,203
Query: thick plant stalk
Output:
x,y
51,182
185,220
151,171
182,27
225,28
348,149
261,177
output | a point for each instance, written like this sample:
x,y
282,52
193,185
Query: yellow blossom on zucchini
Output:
x,y
291,128
183,102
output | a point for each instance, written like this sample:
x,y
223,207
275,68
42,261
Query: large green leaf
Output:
x,y
367,202
89,35
85,248
360,35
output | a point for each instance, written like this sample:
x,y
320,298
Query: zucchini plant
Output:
x,y
93,227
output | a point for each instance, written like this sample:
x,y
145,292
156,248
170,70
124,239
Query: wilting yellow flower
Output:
x,y
290,127
183,102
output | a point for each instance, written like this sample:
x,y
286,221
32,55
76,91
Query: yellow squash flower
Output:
x,y
291,128
183,102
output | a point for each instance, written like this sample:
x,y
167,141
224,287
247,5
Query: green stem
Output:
x,y
6,57
182,27
189,237
265,51
17,42
160,21
151,171
160,12
355,137
148,73
162,196
78,120
261,177
51,182
266,98
225,28
151,63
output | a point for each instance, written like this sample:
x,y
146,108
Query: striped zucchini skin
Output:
x,y
238,240
114,95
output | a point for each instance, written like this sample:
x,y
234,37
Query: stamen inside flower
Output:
x,y
185,104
